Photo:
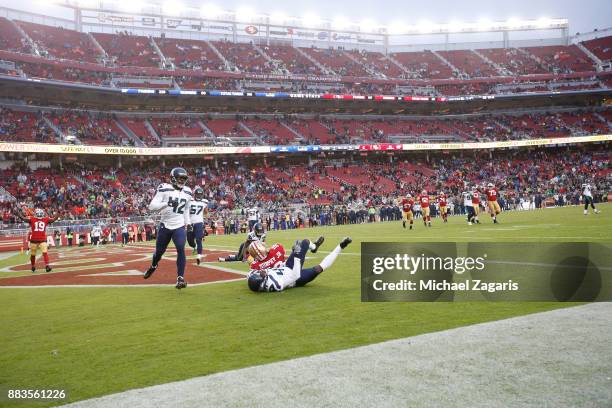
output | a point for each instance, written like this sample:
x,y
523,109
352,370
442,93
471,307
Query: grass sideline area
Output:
x,y
97,341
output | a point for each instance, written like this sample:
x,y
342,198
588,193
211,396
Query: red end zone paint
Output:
x,y
116,266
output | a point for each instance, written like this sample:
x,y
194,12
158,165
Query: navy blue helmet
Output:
x,y
256,281
259,229
198,193
178,177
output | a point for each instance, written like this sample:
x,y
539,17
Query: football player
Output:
x,y
38,236
442,203
252,217
469,206
195,230
423,199
476,203
492,195
407,215
587,197
292,273
172,201
256,234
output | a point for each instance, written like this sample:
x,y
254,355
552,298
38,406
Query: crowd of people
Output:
x,y
334,190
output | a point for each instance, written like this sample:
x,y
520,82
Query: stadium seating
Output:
x,y
601,47
292,60
424,65
469,63
226,127
128,49
177,127
18,126
11,39
377,62
271,131
190,54
562,59
514,61
337,61
243,56
63,43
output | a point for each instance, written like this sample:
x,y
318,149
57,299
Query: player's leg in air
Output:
x,y
309,274
164,236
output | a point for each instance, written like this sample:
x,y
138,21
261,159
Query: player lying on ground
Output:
x,y
292,273
38,236
256,234
195,231
172,202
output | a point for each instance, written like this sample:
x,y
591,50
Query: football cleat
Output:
x,y
345,242
48,268
150,271
198,261
318,243
33,269
221,259
180,283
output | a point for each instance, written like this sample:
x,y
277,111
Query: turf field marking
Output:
x,y
152,285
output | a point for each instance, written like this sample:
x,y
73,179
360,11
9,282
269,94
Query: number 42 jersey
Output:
x,y
172,204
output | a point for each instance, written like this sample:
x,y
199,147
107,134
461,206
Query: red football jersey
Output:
x,y
424,201
39,229
491,194
442,200
407,204
475,197
276,255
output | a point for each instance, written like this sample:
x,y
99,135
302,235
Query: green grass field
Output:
x,y
96,341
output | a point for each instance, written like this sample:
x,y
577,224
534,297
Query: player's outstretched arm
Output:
x,y
55,217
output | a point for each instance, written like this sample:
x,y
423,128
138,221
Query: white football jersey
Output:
x,y
252,237
467,200
172,204
196,211
96,231
280,278
253,214
586,190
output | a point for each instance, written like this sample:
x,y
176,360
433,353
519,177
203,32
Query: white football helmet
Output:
x,y
490,185
39,213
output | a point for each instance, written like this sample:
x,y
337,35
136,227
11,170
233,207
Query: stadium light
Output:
x,y
425,27
367,25
455,26
484,24
513,23
340,23
132,6
397,27
543,22
311,20
173,8
244,14
210,11
278,17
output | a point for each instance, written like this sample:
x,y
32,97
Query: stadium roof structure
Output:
x,y
245,24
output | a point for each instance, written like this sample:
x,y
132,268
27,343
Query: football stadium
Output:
x,y
221,205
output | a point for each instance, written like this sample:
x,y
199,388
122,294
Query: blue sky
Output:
x,y
583,15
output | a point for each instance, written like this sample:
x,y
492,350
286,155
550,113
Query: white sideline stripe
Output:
x,y
558,358
153,285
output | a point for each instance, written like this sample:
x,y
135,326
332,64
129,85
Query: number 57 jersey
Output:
x,y
172,204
